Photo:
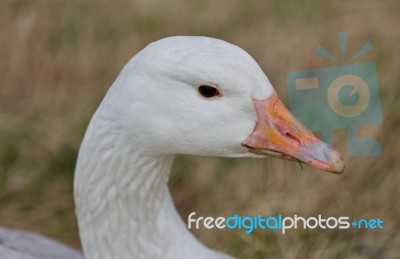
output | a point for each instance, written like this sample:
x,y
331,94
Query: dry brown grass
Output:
x,y
57,59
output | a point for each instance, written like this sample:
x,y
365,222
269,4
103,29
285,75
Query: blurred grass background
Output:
x,y
58,58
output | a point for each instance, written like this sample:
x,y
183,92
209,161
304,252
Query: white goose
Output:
x,y
180,95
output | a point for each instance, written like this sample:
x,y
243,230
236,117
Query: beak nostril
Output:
x,y
293,138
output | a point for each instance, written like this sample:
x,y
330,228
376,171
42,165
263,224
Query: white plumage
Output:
x,y
153,111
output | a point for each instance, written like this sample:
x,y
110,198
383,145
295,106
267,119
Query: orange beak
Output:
x,y
279,134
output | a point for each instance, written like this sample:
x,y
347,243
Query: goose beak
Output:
x,y
279,134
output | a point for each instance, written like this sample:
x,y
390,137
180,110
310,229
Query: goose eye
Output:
x,y
209,91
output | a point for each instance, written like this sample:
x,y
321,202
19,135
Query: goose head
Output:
x,y
179,95
203,96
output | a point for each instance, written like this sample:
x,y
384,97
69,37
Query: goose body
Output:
x,y
179,95
23,245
